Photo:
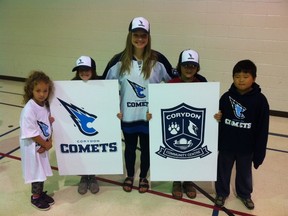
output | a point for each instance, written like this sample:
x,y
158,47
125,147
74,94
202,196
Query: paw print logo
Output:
x,y
174,128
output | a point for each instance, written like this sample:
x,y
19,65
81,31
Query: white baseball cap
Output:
x,y
139,23
85,61
189,57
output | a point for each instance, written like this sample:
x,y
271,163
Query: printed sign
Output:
x,y
183,131
86,131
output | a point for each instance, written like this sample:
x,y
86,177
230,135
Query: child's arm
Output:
x,y
51,119
41,150
261,134
43,143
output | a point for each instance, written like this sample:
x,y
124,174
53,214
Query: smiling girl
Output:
x,y
135,67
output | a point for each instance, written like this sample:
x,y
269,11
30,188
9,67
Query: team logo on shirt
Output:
x,y
84,121
137,89
237,108
183,132
44,128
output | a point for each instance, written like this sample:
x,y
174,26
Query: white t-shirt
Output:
x,y
34,121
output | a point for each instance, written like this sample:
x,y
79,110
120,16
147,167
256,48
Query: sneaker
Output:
x,y
247,202
46,198
93,185
83,185
220,200
40,204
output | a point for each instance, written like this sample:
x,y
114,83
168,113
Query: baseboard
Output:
x,y
19,79
279,113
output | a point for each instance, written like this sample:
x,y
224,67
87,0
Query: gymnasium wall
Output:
x,y
51,35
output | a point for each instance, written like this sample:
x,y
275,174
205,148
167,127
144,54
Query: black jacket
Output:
x,y
245,123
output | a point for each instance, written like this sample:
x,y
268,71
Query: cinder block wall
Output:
x,y
51,35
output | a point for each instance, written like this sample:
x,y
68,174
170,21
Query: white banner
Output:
x,y
183,131
86,131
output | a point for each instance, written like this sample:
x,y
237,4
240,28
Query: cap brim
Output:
x,y
139,29
190,63
80,66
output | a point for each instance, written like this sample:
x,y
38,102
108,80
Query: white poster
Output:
x,y
183,131
86,131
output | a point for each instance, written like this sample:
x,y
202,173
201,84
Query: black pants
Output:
x,y
37,187
131,141
243,181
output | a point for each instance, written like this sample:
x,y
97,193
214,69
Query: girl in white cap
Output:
x,y
135,67
86,70
188,67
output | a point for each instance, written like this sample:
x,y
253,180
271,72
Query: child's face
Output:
x,y
243,82
85,74
41,93
139,39
188,72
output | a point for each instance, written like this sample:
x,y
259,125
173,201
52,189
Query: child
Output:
x,y
35,137
243,133
86,70
188,67
135,67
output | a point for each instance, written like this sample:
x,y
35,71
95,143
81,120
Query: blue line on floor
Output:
x,y
215,212
9,131
11,105
8,153
283,151
11,93
280,135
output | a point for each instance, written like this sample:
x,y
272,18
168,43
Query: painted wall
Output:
x,y
51,35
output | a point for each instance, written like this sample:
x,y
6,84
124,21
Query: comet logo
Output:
x,y
237,108
44,128
83,120
139,90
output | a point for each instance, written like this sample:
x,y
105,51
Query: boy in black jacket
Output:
x,y
243,133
